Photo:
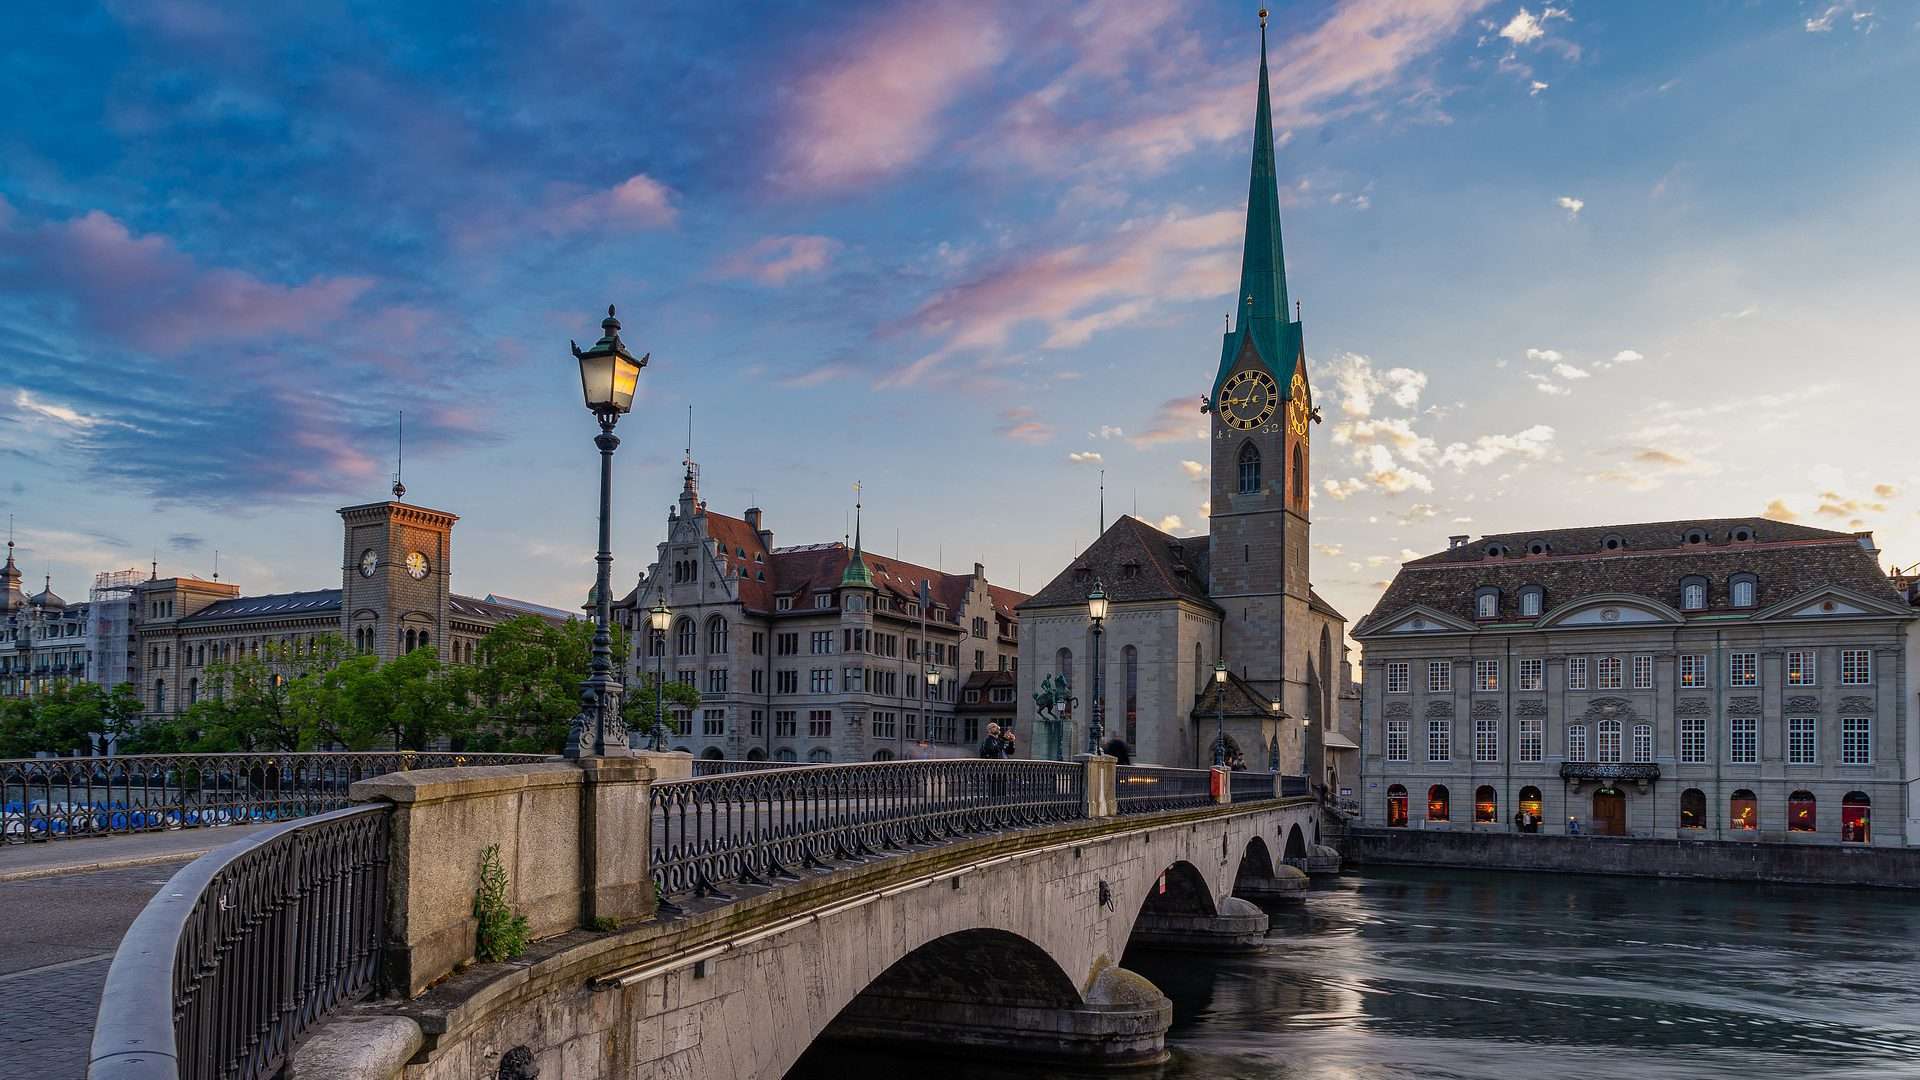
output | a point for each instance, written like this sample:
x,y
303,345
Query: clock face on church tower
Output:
x,y
1298,409
1248,399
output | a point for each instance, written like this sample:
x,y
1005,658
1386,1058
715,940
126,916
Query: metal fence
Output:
x,y
1145,789
252,944
755,827
715,767
1293,785
58,798
1252,786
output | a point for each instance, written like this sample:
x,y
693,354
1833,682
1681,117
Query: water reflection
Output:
x,y
1435,975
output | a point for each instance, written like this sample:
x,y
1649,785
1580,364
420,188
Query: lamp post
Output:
x,y
658,620
1273,744
1220,712
933,688
1097,611
609,375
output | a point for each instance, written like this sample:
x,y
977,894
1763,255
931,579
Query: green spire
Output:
x,y
856,574
1260,307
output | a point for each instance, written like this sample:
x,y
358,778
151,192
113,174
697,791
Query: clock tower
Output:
x,y
1262,412
395,580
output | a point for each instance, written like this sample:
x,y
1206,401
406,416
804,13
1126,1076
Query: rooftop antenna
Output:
x,y
1103,503
400,458
216,564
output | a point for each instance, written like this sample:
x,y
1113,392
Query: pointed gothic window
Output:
x,y
1299,474
1249,469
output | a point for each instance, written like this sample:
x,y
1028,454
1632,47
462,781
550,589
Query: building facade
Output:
x,y
1724,679
1242,593
817,652
43,639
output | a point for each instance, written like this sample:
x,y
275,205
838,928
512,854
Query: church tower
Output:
x,y
395,580
1262,409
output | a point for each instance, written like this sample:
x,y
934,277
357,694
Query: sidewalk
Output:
x,y
54,858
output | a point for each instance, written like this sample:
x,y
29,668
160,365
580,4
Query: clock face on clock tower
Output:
x,y
1299,410
1248,399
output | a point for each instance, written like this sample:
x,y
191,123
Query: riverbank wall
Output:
x,y
1719,860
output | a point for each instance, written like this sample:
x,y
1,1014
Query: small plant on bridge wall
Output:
x,y
502,934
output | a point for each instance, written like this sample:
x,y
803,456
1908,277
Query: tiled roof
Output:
x,y
521,607
985,682
1651,561
1132,561
490,612
268,606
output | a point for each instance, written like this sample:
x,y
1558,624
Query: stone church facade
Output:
x,y
1241,594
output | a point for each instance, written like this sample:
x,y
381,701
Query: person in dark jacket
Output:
x,y
1117,750
993,746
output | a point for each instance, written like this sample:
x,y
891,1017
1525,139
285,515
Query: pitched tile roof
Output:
x,y
268,606
1132,561
1650,560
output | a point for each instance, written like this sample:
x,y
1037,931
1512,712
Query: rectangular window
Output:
x,y
757,725
1532,674
1856,740
1397,740
1693,670
1609,742
1486,675
853,679
1397,676
1439,740
1693,740
787,644
1643,673
685,678
1439,676
1743,669
1577,743
759,643
1803,740
1643,742
1576,673
682,721
783,603
820,642
713,722
1486,739
1856,667
786,682
820,681
1743,740
1803,668
820,724
1609,673
822,600
1532,738
883,723
717,681
759,680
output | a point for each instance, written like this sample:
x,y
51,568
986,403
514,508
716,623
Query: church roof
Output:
x,y
1132,561
1649,559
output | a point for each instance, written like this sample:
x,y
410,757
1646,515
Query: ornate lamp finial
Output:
x,y
1263,18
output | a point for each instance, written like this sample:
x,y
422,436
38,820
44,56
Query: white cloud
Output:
x,y
1859,20
1343,489
1170,523
1571,205
1624,356
1545,356
1357,385
1568,371
1085,457
1107,431
1396,432
1533,444
1548,386
64,414
1523,28
1329,550
1194,470
1390,476
1534,88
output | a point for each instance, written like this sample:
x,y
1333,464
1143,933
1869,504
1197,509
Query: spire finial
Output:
x,y
400,458
1263,18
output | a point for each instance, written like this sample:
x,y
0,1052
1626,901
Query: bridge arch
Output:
x,y
1296,843
1256,865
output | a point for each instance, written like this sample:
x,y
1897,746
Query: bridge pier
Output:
x,y
1238,926
1123,1021
1286,884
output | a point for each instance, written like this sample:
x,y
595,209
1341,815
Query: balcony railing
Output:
x,y
1145,789
1586,770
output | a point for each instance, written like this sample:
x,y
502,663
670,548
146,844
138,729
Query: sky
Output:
x,y
1559,266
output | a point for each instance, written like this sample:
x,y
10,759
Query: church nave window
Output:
x,y
1249,469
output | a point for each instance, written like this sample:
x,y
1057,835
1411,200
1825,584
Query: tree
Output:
x,y
526,684
70,718
646,705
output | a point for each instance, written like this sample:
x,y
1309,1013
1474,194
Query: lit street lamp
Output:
x,y
1220,712
1097,611
658,620
1273,744
933,690
609,375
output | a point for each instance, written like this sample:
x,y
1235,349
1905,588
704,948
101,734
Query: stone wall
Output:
x,y
1725,860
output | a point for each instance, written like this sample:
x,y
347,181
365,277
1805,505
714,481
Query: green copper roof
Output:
x,y
856,573
1260,307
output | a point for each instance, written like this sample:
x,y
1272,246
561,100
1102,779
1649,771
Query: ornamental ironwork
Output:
x,y
1146,789
1586,770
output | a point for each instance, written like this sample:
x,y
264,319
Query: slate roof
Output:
x,y
1786,560
271,605
985,682
491,612
1132,561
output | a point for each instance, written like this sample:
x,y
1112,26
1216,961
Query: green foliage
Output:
x,y
71,718
526,686
650,703
606,924
502,934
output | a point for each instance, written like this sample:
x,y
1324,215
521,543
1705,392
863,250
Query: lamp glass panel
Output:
x,y
626,375
596,380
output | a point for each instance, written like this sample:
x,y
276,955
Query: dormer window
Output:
x,y
783,603
1130,570
1486,602
1695,536
1742,589
1612,543
1082,575
1532,600
1496,550
1693,594
1741,534
1538,547
822,600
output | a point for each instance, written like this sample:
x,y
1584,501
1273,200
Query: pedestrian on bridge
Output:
x,y
993,746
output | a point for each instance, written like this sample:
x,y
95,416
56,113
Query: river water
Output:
x,y
1436,974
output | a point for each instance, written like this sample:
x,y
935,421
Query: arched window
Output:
x,y
1693,595
1249,469
1486,805
1532,599
1199,673
883,755
193,691
423,639
1486,602
1437,803
409,641
1609,741
820,755
717,635
785,753
1743,811
1130,659
686,638
1396,807
1530,809
1741,589
1299,474
1693,809
1800,815
712,753
1855,826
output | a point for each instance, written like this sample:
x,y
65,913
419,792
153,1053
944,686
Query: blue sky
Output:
x,y
1560,265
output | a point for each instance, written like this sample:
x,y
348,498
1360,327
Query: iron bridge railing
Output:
x,y
58,798
760,826
716,767
1146,789
252,945
1252,786
1293,785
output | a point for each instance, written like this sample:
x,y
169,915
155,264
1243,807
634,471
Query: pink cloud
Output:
x,y
774,259
1021,425
872,110
1175,420
639,201
144,290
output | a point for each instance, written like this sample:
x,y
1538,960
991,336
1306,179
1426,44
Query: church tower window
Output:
x,y
1249,469
1299,474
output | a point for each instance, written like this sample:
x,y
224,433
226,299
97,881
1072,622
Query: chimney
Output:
x,y
980,571
1866,541
753,518
1456,541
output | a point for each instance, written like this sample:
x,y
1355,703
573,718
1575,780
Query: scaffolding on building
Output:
x,y
111,616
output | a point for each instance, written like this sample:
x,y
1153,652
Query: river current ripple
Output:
x,y
1436,975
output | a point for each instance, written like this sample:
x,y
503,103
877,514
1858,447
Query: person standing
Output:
x,y
993,746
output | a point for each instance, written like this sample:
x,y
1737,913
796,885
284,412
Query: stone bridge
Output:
x,y
1007,936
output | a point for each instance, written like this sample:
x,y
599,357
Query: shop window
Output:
x,y
1743,811
1396,807
1800,812
1855,828
1530,809
1486,806
1438,804
1693,809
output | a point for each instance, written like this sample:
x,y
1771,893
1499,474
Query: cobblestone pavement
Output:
x,y
57,936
